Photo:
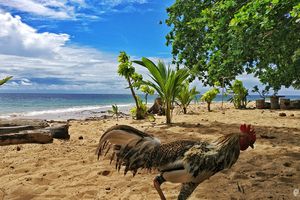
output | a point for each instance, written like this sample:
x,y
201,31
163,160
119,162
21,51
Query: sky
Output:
x,y
71,46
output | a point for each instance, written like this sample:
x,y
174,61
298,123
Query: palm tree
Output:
x,y
126,70
185,96
165,81
114,111
5,80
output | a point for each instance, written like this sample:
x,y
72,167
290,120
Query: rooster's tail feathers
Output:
x,y
131,147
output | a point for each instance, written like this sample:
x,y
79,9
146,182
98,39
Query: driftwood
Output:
x,y
35,123
157,107
59,131
35,132
34,136
14,129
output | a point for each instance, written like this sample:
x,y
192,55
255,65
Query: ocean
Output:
x,y
64,106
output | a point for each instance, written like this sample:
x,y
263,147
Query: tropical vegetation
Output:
x,y
165,81
239,94
2,81
217,39
209,96
134,80
114,111
185,96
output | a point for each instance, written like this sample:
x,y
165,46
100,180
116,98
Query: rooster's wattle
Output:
x,y
184,161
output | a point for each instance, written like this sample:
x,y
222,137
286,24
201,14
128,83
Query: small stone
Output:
x,y
282,114
107,188
80,138
287,164
18,148
105,173
290,174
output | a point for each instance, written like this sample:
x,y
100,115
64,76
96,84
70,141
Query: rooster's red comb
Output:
x,y
251,133
247,129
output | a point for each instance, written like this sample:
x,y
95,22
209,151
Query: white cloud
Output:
x,y
17,38
113,3
42,61
52,8
69,9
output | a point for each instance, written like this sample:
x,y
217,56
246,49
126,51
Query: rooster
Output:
x,y
184,161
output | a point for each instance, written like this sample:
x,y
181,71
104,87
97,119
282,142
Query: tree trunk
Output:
x,y
184,110
208,106
168,112
138,109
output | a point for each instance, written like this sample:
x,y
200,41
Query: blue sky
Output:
x,y
71,46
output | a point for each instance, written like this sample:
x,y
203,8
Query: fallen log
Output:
x,y
33,136
36,123
59,131
14,129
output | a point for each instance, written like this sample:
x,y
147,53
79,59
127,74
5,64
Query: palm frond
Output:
x,y
5,80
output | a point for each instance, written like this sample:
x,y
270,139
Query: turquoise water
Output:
x,y
25,104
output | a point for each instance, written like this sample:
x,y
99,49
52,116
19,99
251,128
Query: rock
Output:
x,y
105,173
292,115
80,138
18,148
287,164
157,107
282,114
107,188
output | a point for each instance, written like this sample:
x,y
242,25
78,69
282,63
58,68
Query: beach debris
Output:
x,y
240,188
80,138
267,136
14,129
32,136
157,107
35,131
282,114
59,131
105,173
287,164
35,123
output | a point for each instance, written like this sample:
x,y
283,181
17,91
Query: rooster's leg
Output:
x,y
157,182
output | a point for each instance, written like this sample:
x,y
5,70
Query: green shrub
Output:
x,y
209,96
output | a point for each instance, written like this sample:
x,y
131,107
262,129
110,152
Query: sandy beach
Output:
x,y
69,169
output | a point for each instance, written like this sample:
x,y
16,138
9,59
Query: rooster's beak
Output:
x,y
252,146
